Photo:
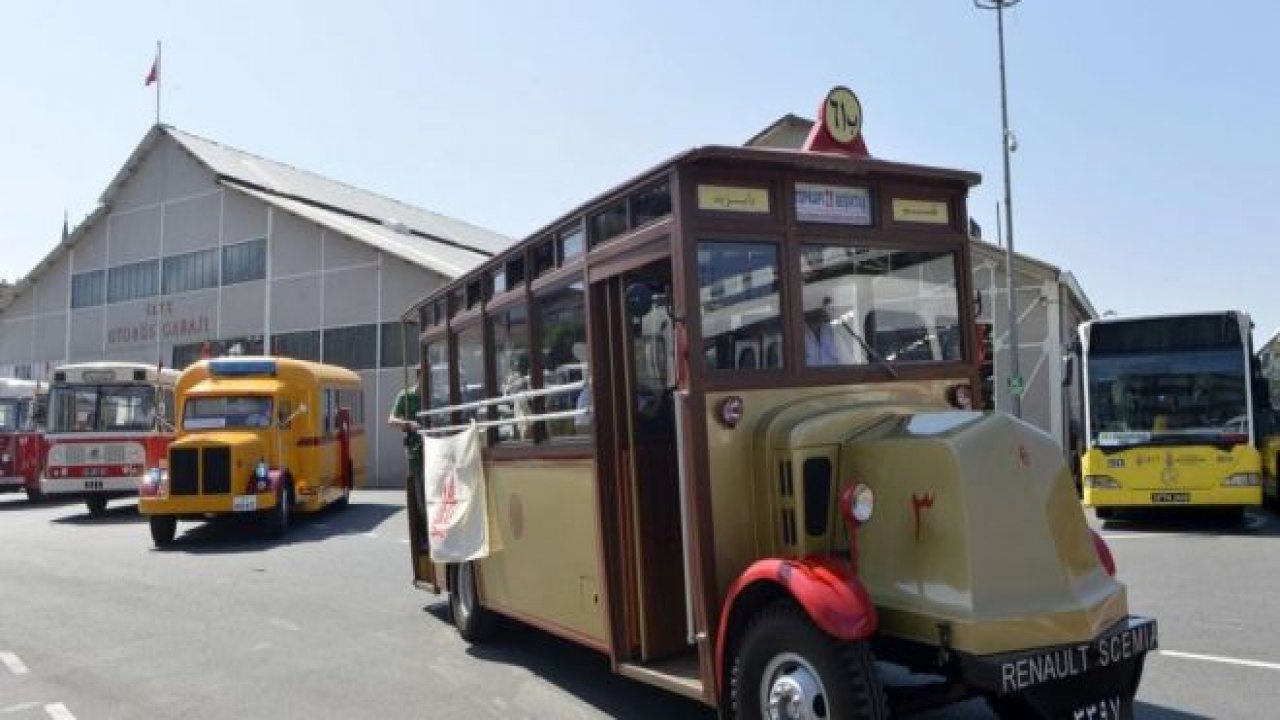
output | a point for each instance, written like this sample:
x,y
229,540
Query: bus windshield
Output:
x,y
12,415
1197,395
102,408
245,411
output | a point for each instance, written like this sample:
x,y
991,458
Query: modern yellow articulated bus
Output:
x,y
722,439
260,436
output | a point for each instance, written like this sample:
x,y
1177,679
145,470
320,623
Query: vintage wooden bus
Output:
x,y
22,446
262,437
717,448
108,423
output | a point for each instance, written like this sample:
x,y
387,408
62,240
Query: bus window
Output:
x,y
511,365
471,383
206,413
899,305
437,391
738,294
563,332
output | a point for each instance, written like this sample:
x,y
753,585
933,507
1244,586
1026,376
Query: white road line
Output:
x,y
19,707
14,663
58,711
1225,660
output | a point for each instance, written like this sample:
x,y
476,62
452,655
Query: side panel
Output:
x,y
544,565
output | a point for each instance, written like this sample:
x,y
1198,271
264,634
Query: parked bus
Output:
x,y
258,436
108,423
1170,412
22,446
749,484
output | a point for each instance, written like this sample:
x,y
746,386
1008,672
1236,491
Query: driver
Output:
x,y
819,336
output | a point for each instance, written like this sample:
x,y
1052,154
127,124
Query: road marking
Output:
x,y
19,707
58,711
1225,660
13,662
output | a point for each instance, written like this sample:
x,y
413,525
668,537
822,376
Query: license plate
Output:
x,y
1115,706
244,503
1170,497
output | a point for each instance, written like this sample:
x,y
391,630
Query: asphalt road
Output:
x,y
94,623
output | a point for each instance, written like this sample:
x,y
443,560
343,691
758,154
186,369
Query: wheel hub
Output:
x,y
790,690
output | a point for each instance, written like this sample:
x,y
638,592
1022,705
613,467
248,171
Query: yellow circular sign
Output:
x,y
843,115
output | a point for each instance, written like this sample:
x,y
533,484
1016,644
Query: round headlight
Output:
x,y
260,471
730,411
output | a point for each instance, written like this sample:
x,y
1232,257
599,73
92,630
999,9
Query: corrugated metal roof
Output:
x,y
384,218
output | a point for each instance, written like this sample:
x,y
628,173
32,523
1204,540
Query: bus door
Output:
x,y
637,460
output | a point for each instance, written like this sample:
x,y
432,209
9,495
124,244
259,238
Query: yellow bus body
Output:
x,y
301,444
1195,475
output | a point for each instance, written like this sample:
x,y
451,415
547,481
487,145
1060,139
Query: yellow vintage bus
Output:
x,y
265,436
716,446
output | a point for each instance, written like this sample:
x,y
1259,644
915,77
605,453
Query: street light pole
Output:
x,y
1008,145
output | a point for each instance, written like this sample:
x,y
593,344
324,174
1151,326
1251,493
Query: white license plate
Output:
x,y
244,503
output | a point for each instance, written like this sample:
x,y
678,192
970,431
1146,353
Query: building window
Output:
x,y
399,345
133,281
244,262
87,288
354,348
244,345
303,345
190,271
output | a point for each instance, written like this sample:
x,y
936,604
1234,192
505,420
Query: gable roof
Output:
x,y
423,238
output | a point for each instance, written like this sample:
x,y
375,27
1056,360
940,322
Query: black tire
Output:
x,y
1012,708
34,495
277,521
475,624
781,646
1105,513
97,504
163,530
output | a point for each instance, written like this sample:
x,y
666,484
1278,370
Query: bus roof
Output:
x,y
114,372
17,387
744,157
269,367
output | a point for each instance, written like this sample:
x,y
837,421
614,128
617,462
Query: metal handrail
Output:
x,y
559,415
522,395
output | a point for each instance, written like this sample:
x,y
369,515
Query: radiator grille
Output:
x,y
184,471
217,470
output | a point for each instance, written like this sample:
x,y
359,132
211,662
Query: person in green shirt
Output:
x,y
404,415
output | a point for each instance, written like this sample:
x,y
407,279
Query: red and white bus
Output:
x,y
22,447
108,423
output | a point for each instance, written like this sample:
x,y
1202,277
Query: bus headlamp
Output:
x,y
1243,480
1101,482
260,470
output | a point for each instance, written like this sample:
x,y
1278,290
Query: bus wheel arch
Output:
x,y
833,600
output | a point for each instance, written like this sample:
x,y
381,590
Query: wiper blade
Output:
x,y
871,352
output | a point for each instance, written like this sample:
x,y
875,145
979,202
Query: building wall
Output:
x,y
315,280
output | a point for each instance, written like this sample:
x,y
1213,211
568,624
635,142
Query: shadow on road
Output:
x,y
228,535
1257,522
577,670
1148,711
114,515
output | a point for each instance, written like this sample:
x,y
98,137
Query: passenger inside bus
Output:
x,y
819,336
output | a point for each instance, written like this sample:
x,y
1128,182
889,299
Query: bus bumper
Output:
x,y
1173,497
90,486
1093,679
206,505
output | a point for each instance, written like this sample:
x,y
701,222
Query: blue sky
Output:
x,y
1147,161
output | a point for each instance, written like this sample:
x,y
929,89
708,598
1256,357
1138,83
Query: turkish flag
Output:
x,y
154,74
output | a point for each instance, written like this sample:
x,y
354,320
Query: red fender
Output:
x,y
830,594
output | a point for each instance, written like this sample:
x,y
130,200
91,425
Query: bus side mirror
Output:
x,y
285,423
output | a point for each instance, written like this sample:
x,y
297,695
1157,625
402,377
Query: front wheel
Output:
x,y
97,504
474,623
786,667
34,495
277,521
163,529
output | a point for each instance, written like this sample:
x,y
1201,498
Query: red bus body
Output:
x,y
22,445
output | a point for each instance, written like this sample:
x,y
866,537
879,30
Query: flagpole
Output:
x,y
159,81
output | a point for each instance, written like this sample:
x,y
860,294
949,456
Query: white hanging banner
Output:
x,y
457,512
